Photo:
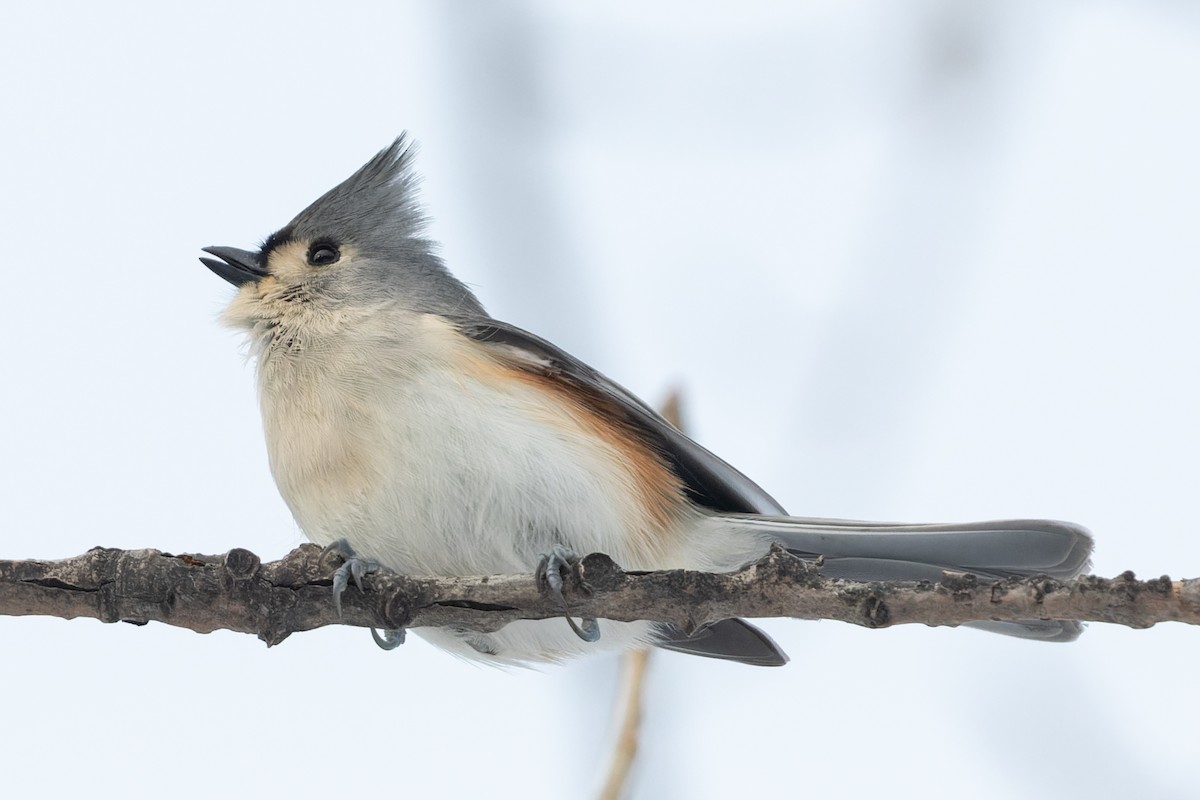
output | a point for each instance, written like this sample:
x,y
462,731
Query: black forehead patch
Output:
x,y
276,240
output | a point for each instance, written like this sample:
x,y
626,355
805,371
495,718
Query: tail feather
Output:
x,y
730,640
872,551
883,551
1040,630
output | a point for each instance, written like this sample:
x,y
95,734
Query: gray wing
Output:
x,y
862,551
709,481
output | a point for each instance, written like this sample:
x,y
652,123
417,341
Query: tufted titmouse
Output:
x,y
435,440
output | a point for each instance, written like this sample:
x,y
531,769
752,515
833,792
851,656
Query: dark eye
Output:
x,y
322,254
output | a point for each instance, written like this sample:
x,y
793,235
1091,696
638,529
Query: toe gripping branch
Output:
x,y
354,568
549,576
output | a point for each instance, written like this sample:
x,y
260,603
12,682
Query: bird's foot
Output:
x,y
549,575
351,568
354,568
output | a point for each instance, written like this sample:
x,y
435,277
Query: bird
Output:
x,y
406,428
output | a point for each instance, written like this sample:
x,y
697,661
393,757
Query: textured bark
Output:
x,y
237,592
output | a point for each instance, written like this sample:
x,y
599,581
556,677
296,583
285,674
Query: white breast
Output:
x,y
429,462
399,435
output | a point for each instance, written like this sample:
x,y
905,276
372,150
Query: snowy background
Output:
x,y
915,261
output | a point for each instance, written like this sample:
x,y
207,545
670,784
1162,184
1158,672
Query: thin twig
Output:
x,y
625,749
633,677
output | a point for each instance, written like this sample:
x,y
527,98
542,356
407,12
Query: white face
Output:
x,y
287,290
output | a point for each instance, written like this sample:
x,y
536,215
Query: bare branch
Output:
x,y
237,592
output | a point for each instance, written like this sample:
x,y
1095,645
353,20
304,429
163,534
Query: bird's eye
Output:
x,y
322,254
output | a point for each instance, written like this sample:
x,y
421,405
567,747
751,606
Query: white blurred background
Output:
x,y
915,261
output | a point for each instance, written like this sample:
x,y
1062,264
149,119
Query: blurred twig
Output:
x,y
633,678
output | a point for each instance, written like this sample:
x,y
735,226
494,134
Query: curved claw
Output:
x,y
589,631
549,574
340,548
353,568
388,640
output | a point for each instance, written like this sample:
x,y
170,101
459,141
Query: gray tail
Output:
x,y
872,551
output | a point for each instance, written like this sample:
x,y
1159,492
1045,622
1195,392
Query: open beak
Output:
x,y
236,266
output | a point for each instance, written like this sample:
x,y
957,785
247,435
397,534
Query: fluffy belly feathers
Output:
x,y
477,468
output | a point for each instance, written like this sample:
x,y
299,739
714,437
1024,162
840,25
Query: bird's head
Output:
x,y
360,245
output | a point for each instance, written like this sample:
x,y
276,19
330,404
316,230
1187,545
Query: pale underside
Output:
x,y
445,460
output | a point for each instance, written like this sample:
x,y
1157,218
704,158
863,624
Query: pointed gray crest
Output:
x,y
375,205
376,211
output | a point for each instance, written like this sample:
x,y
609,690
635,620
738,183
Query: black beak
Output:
x,y
236,266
